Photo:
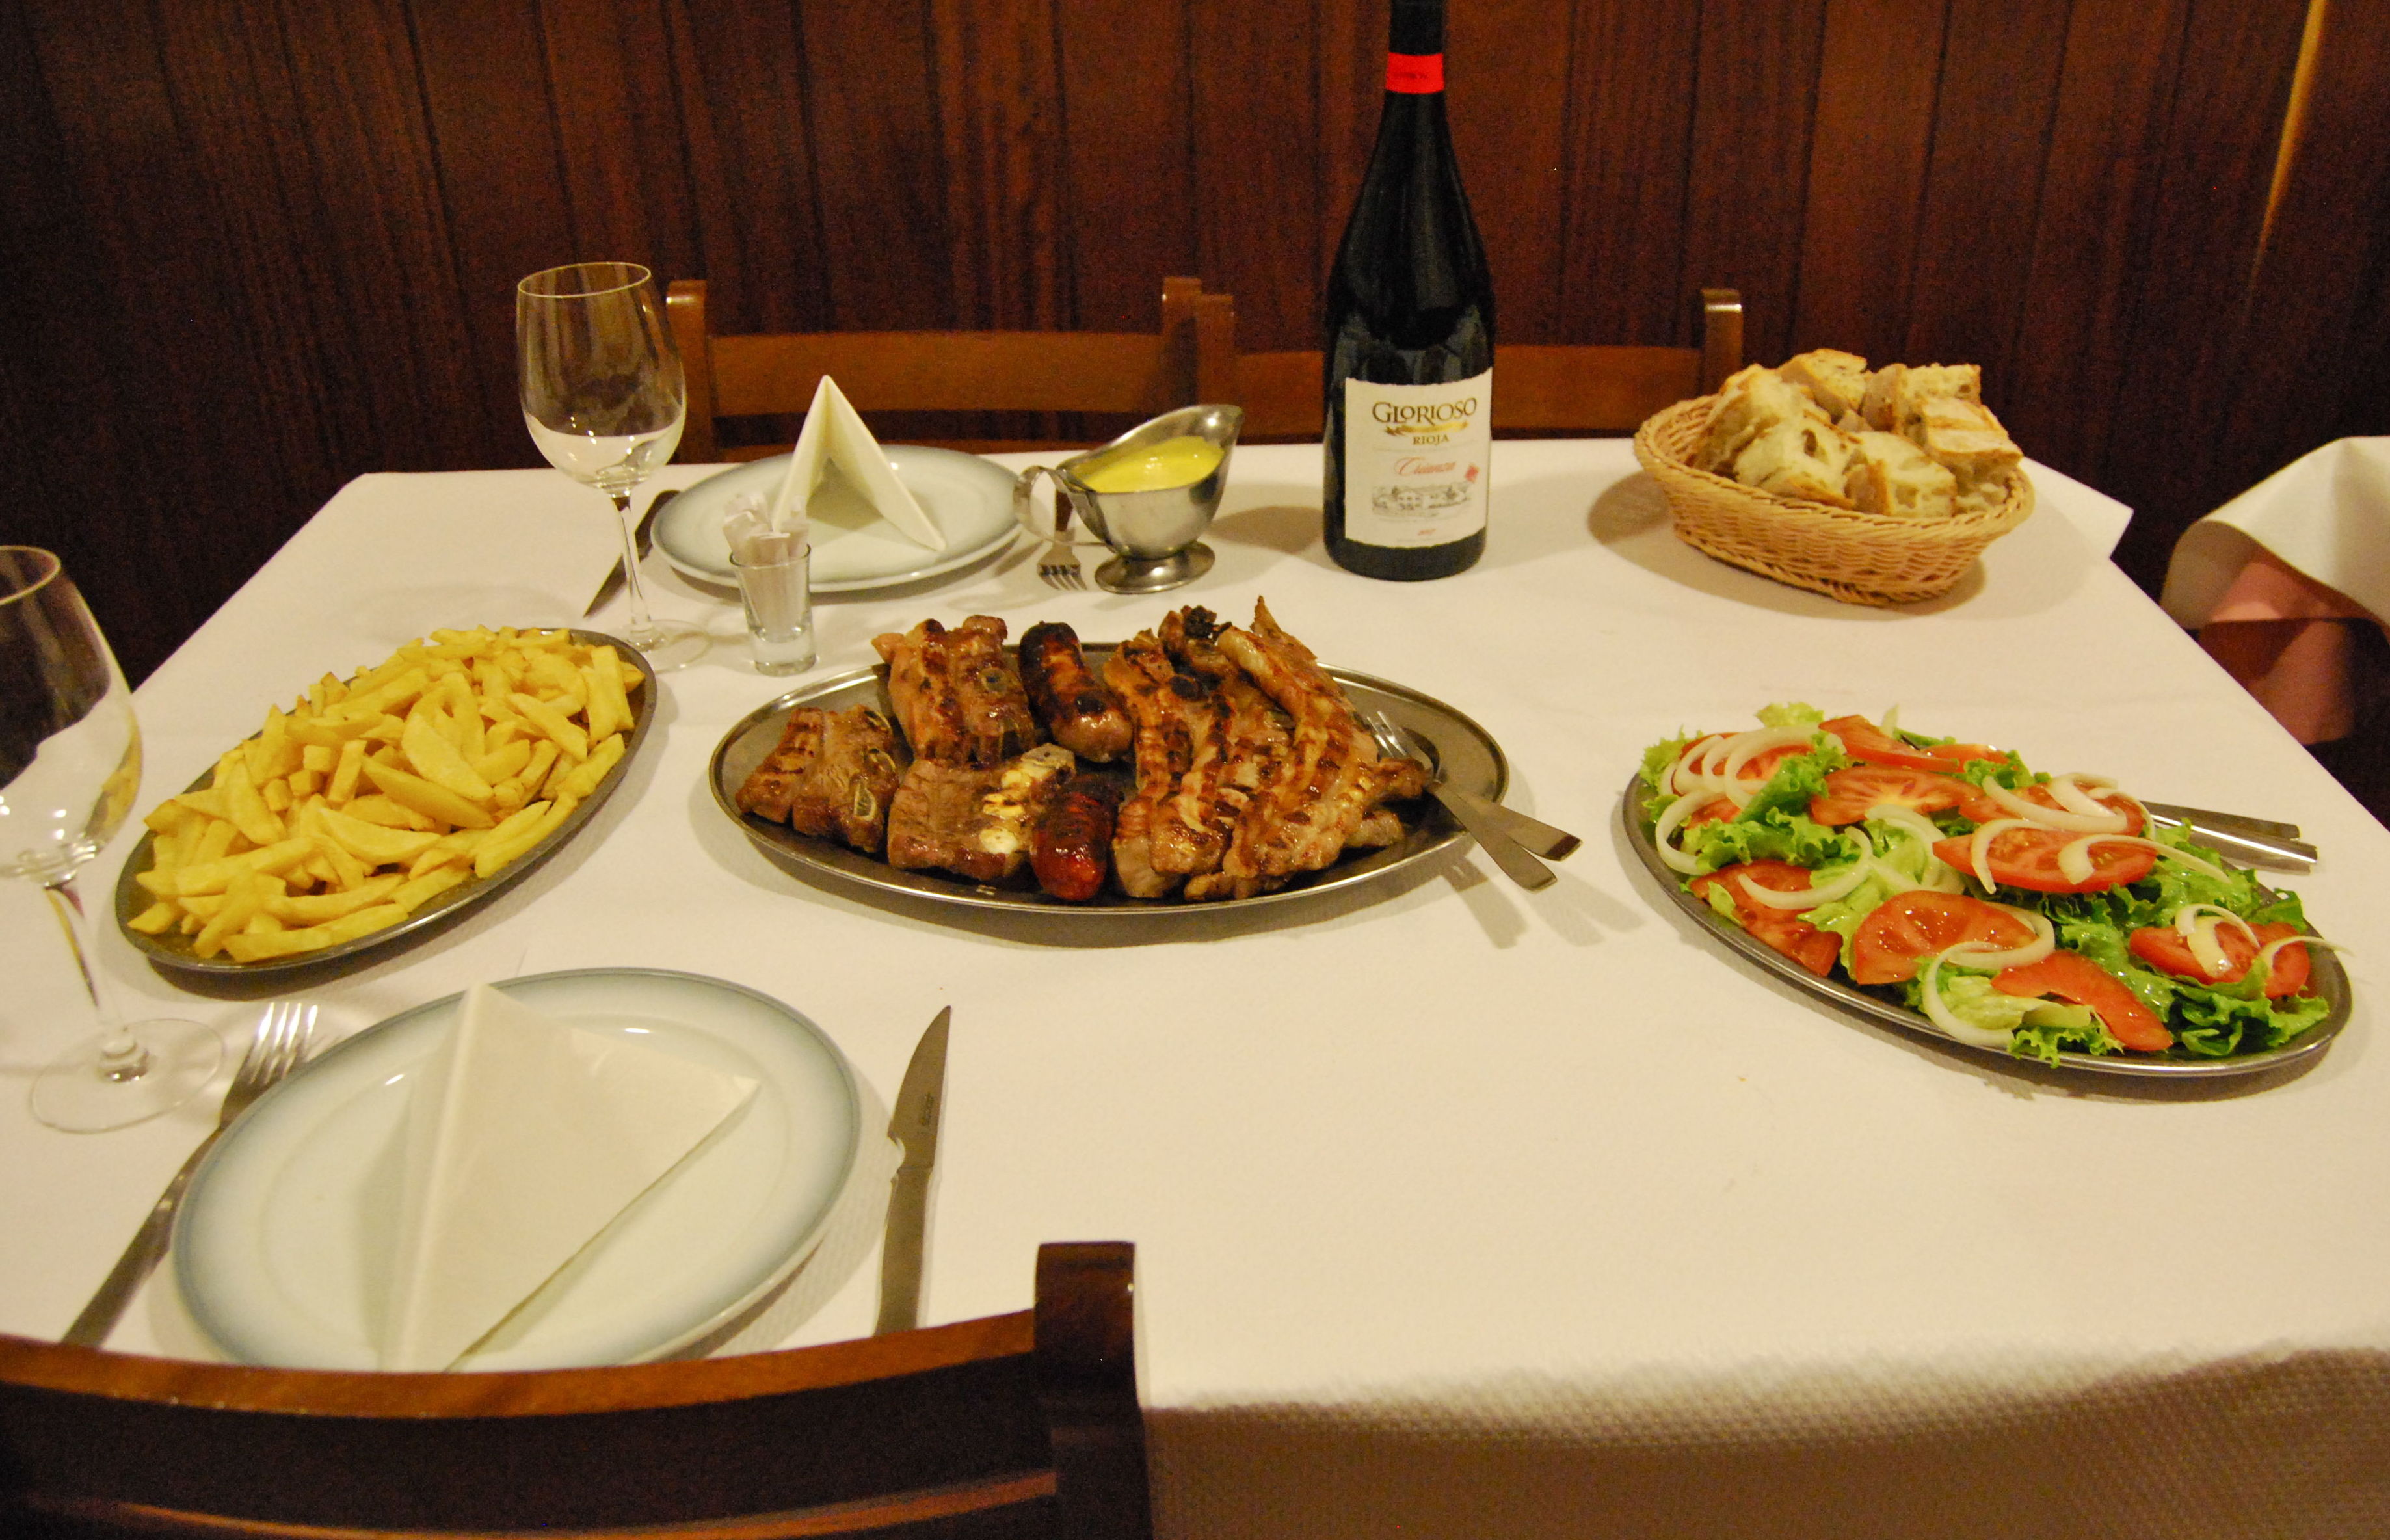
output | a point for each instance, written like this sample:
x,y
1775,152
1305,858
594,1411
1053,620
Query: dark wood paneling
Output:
x,y
1632,79
1967,287
1257,127
1877,85
259,247
1509,89
2187,336
1755,99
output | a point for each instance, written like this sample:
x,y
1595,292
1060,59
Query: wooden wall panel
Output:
x,y
2223,135
1967,290
1879,78
2325,370
1508,93
1632,84
1128,143
1755,99
337,201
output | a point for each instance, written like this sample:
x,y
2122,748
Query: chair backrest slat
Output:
x,y
1538,388
946,1423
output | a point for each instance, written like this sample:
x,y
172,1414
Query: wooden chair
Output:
x,y
1130,375
1537,389
1013,1425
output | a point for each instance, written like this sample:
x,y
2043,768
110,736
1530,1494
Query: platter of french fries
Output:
x,y
378,804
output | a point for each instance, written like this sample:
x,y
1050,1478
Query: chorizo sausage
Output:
x,y
1073,705
1072,850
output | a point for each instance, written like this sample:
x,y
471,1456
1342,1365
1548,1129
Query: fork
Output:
x,y
1489,823
1060,569
280,1045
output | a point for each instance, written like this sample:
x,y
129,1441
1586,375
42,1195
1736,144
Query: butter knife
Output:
x,y
914,1125
644,538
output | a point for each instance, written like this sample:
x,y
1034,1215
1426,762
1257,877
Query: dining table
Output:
x,y
1460,1210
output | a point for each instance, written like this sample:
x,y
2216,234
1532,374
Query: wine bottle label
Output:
x,y
1415,74
1417,460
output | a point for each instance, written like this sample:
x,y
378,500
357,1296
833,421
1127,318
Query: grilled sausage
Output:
x,y
1071,851
1073,705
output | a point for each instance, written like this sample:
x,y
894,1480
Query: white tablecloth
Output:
x,y
1460,1211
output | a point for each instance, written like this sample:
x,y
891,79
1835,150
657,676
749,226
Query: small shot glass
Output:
x,y
774,585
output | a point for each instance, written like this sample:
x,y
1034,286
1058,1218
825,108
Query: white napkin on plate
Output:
x,y
835,447
525,1139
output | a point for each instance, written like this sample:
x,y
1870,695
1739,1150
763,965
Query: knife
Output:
x,y
914,1125
644,538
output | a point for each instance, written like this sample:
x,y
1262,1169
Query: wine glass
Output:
x,y
69,766
603,396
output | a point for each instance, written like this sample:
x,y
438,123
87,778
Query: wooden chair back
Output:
x,y
1122,374
1013,1425
1537,389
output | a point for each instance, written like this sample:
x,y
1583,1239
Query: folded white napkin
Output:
x,y
526,1139
2327,514
839,473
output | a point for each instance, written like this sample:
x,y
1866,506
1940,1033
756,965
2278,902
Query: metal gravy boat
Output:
x,y
1155,532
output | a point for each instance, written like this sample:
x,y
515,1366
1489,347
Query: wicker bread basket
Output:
x,y
1860,558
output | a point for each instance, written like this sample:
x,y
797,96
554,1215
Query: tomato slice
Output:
x,y
2163,949
2074,978
1785,929
2028,858
1907,928
1850,792
1865,742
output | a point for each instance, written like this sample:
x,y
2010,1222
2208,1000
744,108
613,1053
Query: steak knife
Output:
x,y
644,540
914,1125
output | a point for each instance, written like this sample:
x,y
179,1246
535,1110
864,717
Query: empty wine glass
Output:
x,y
603,396
70,767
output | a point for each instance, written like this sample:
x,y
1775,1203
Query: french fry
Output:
x,y
582,781
432,802
441,762
559,730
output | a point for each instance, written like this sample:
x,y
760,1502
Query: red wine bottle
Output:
x,y
1410,339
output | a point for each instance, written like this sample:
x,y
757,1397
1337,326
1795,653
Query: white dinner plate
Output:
x,y
969,499
283,1249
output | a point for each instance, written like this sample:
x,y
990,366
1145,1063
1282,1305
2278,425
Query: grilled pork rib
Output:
x,y
956,694
831,776
974,822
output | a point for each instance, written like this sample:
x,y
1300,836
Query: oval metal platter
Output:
x,y
1470,757
2331,981
173,951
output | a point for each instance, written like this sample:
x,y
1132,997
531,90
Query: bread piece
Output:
x,y
1804,457
1837,381
1964,435
1896,393
1891,476
1753,400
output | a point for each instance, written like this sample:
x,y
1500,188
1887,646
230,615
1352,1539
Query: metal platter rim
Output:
x,y
1435,831
2330,979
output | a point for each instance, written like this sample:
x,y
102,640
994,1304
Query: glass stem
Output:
x,y
121,1056
642,624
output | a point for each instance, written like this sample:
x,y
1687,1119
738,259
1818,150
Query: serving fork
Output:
x,y
280,1045
1512,838
1060,568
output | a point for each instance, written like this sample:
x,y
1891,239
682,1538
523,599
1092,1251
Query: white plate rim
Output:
x,y
680,513
354,1058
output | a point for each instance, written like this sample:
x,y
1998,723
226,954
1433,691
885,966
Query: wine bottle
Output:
x,y
1409,370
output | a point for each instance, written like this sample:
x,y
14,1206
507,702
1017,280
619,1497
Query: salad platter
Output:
x,y
2076,911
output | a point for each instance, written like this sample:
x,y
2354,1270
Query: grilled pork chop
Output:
x,y
956,693
831,776
971,821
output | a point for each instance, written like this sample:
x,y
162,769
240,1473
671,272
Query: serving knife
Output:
x,y
644,539
914,1125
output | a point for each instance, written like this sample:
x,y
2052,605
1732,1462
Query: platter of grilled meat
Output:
x,y
1197,765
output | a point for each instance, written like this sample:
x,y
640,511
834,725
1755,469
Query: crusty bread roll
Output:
x,y
1837,381
1803,457
1753,400
1964,435
1889,475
